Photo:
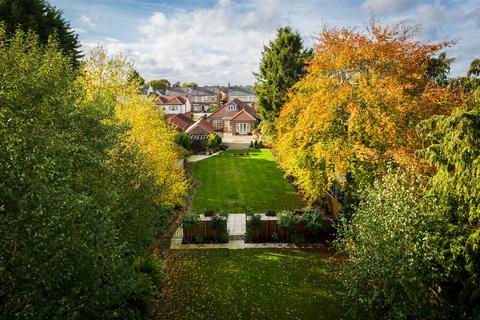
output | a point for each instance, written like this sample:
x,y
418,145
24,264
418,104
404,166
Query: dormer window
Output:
x,y
232,107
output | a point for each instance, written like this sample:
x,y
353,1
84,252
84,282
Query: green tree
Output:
x,y
454,150
161,84
282,65
192,85
78,204
43,19
395,262
136,78
214,141
438,68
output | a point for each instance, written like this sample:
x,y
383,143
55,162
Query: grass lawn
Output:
x,y
249,284
236,184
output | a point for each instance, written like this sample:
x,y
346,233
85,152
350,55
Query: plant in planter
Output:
x,y
297,238
287,220
199,238
220,225
190,221
253,227
209,213
270,213
314,221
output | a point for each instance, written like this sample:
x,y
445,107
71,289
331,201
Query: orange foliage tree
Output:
x,y
357,107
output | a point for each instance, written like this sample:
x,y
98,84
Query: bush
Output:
x,y
271,213
255,144
183,140
214,141
287,220
209,213
297,238
190,221
220,225
199,238
314,221
253,226
260,144
147,278
394,267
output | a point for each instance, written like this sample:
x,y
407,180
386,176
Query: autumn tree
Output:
x,y
357,107
282,65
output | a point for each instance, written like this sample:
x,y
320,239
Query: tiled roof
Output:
x,y
171,100
223,111
243,115
181,121
202,123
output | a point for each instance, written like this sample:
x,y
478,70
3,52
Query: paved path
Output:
x,y
198,157
237,225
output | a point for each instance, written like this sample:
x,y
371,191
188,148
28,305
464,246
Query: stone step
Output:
x,y
234,237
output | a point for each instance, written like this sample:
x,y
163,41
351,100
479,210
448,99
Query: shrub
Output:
x,y
260,144
183,140
270,213
395,270
274,236
220,225
253,226
251,144
287,220
190,221
209,213
314,221
214,141
199,238
255,144
297,238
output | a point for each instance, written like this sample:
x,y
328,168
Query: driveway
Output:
x,y
236,142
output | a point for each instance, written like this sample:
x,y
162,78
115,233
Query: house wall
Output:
x,y
233,125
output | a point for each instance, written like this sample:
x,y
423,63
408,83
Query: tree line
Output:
x,y
375,111
89,176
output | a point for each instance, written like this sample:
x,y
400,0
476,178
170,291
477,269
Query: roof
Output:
x,y
241,91
243,115
171,100
223,111
201,91
203,124
181,121
176,91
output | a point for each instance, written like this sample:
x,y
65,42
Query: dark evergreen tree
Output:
x,y
43,19
282,65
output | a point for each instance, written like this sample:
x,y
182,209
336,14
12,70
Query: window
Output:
x,y
173,108
213,99
243,128
218,123
232,107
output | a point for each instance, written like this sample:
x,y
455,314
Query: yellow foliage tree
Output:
x,y
357,107
148,131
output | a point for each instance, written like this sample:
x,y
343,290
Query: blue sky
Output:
x,y
220,41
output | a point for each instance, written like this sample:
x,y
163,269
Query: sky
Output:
x,y
219,41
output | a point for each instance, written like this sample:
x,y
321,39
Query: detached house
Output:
x,y
180,121
245,94
174,105
234,117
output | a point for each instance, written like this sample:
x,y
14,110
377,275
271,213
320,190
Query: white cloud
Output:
x,y
223,42
87,21
210,45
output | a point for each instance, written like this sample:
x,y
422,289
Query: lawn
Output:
x,y
249,284
237,184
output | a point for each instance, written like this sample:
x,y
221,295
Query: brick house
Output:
x,y
234,117
181,121
174,105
